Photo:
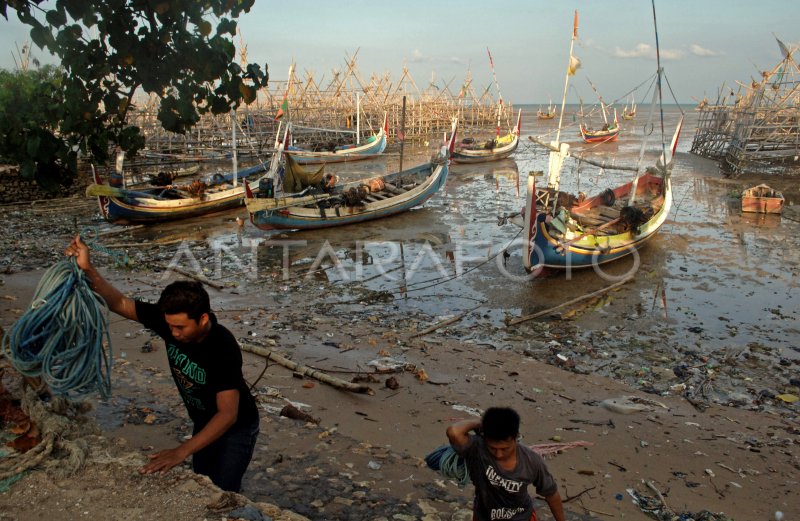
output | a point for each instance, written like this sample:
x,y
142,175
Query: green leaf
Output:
x,y
76,8
56,17
108,50
41,36
226,27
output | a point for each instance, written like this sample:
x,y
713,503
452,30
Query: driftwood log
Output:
x,y
307,371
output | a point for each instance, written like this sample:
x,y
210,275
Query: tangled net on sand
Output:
x,y
62,428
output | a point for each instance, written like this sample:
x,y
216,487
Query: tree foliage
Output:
x,y
30,105
109,49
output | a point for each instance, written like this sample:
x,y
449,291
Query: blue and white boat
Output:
x,y
372,147
322,205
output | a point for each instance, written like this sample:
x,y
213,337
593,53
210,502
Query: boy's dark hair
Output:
x,y
500,423
185,296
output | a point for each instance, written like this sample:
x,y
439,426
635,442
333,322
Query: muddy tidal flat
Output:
x,y
704,339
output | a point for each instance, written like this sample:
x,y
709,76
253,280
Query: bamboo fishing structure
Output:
x,y
758,128
316,107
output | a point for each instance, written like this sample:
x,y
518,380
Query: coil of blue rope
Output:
x,y
449,464
60,338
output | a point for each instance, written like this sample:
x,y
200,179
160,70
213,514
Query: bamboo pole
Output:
x,y
441,324
538,314
191,275
307,371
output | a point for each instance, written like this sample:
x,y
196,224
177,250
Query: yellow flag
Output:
x,y
574,65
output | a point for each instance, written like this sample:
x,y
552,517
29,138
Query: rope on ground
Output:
x,y
60,337
63,428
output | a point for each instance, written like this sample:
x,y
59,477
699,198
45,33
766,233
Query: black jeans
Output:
x,y
226,460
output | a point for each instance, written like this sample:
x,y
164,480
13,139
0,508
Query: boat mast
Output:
x,y
656,96
572,66
358,118
557,158
499,94
233,144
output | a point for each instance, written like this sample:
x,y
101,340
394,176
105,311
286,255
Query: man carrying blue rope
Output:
x,y
501,469
206,364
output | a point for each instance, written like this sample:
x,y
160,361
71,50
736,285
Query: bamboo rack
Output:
x,y
758,128
316,107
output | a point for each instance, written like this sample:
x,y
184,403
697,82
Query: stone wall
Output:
x,y
15,189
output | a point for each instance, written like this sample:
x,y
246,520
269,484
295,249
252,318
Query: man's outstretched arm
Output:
x,y
116,301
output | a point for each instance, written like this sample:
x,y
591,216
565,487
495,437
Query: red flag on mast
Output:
x,y
575,25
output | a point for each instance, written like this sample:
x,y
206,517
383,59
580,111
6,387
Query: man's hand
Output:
x,y
164,460
556,506
80,251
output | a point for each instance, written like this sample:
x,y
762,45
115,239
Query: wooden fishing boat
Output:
x,y
492,150
762,199
321,206
549,114
372,147
609,132
148,205
161,178
628,113
564,231
600,229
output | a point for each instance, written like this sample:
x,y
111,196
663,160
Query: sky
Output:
x,y
704,44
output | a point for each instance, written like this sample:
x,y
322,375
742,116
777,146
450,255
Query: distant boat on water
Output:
x,y
629,113
549,114
608,133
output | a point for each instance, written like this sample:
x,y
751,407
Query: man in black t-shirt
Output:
x,y
501,468
206,364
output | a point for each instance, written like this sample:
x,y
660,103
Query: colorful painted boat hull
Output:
x,y
356,202
349,153
599,136
432,176
484,156
547,247
154,205
508,145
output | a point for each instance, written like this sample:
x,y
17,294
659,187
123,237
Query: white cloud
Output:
x,y
418,57
644,50
672,54
702,51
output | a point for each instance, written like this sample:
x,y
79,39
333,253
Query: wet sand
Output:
x,y
708,329
363,459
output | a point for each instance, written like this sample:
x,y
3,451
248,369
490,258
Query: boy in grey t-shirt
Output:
x,y
501,469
